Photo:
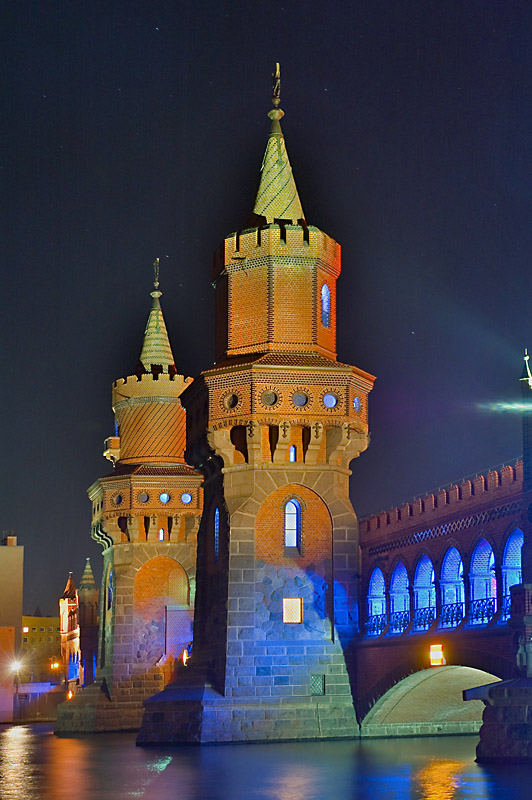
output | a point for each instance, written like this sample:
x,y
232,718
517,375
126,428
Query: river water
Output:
x,y
36,765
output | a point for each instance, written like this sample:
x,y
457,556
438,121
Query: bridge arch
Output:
x,y
428,702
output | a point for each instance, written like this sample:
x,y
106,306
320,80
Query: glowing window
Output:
x,y
293,453
357,405
216,534
110,588
325,306
436,656
330,400
511,561
186,498
292,524
161,534
376,594
164,497
293,610
25,630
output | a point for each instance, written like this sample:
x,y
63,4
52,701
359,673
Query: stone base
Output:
x,y
506,732
198,714
92,710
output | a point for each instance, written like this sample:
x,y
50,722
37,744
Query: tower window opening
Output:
x,y
292,524
216,533
161,534
325,306
146,526
293,453
293,610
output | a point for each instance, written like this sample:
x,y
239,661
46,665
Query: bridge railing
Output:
x,y
452,614
506,607
423,618
481,611
376,624
399,620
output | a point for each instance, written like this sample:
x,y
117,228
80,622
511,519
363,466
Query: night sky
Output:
x,y
132,130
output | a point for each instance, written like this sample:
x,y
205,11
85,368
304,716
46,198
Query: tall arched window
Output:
x,y
292,524
483,584
216,533
424,594
511,567
399,599
452,588
325,306
376,603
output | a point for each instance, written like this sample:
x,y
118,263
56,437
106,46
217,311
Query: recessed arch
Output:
x,y
424,594
325,297
483,583
452,589
399,599
376,603
511,567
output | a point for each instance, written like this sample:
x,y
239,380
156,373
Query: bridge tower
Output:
x,y
273,426
145,515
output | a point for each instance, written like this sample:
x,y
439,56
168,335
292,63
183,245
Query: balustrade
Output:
x,y
482,610
506,607
399,620
423,618
376,624
451,615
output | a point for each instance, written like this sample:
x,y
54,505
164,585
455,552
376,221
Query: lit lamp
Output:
x,y
16,666
436,655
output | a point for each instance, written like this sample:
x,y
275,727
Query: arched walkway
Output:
x,y
483,584
428,703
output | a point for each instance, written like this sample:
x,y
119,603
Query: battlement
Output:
x,y
149,385
278,240
495,484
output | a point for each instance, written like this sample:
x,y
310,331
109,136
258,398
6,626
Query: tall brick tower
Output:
x,y
273,426
146,516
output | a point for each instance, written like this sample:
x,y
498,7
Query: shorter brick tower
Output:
x,y
89,597
273,426
70,638
146,517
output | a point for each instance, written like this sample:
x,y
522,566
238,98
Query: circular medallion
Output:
x,y
231,401
330,400
186,498
118,500
164,497
143,497
269,397
300,399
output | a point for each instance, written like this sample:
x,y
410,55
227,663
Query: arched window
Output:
x,y
292,524
424,594
325,306
216,533
293,453
511,567
399,599
452,588
483,584
110,588
376,603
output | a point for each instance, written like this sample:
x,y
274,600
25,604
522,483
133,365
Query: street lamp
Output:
x,y
16,666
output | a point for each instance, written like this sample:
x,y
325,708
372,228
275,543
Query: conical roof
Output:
x,y
87,579
156,350
277,197
70,588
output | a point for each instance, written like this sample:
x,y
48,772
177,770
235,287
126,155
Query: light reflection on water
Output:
x,y
35,765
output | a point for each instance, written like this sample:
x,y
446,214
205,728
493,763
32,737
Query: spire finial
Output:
x,y
276,85
156,293
527,374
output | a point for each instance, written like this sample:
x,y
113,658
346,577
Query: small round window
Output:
x,y
357,405
269,398
330,400
164,497
300,399
231,401
118,500
186,498
143,497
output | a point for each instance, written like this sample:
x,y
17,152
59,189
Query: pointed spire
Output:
x,y
87,579
70,588
277,197
156,351
526,375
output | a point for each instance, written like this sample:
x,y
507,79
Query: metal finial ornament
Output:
x,y
156,293
528,377
276,85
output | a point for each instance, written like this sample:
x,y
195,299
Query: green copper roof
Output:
x,y
87,579
156,348
277,197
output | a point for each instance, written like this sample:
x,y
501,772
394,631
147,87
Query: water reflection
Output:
x,y
35,765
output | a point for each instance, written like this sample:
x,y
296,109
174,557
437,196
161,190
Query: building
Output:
x,y
273,427
145,515
41,648
11,582
89,598
70,636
